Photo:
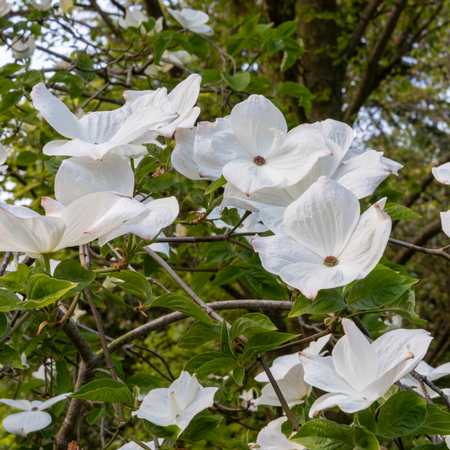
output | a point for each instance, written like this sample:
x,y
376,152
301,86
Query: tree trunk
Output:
x,y
315,68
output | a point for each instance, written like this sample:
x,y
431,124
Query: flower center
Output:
x,y
330,261
35,409
259,160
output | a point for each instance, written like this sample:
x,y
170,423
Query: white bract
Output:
x,y
442,173
21,48
42,5
5,7
79,177
322,242
272,438
179,58
178,404
134,446
360,174
432,374
85,220
192,20
289,375
359,373
42,374
97,133
247,398
253,150
180,100
3,157
33,419
133,18
283,364
66,6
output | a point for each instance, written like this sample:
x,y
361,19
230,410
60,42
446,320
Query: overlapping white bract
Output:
x,y
23,48
359,373
98,133
5,7
34,418
252,149
193,20
42,5
135,446
322,242
178,404
289,374
272,438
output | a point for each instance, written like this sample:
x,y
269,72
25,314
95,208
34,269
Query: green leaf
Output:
x,y
161,432
288,61
84,62
65,77
163,181
403,413
9,99
286,29
437,421
182,304
10,357
43,290
53,164
160,44
105,390
63,377
380,287
365,440
262,342
216,185
227,275
441,446
398,212
26,158
145,382
70,270
6,85
9,69
200,333
9,301
274,45
238,375
197,198
264,284
95,415
16,281
200,427
30,78
209,363
323,435
404,306
145,167
237,82
226,347
199,46
251,324
220,251
136,284
3,324
327,301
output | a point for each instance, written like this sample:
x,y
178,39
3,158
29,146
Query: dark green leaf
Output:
x,y
197,198
288,61
209,363
43,290
364,439
9,99
10,357
323,435
437,421
3,323
286,29
26,158
218,252
262,342
9,69
227,275
216,185
163,181
327,301
136,284
237,82
95,415
182,304
161,432
398,212
105,390
238,375
145,382
264,284
404,306
200,427
70,270
403,413
63,377
251,324
380,287
200,333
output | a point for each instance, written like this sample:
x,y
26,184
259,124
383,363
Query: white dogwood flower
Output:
x,y
66,6
97,133
358,373
134,446
442,173
21,48
34,418
133,18
322,242
272,438
42,5
5,7
193,20
41,373
432,374
24,230
361,174
80,177
181,100
178,404
253,150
